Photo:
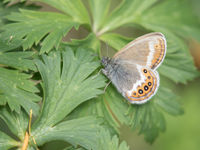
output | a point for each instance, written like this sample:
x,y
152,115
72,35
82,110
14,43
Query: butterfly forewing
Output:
x,y
148,50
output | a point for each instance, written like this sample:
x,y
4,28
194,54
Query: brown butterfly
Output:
x,y
133,69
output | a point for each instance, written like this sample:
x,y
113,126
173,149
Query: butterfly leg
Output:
x,y
97,74
106,86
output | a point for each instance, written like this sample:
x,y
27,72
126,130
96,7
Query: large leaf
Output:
x,y
127,12
99,10
83,131
68,86
56,25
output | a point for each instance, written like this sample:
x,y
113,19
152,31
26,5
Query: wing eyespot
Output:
x,y
146,88
140,91
145,70
149,84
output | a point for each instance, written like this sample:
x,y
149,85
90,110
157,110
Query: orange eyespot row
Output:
x,y
146,89
159,52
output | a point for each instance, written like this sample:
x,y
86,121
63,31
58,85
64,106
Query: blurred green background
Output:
x,y
183,132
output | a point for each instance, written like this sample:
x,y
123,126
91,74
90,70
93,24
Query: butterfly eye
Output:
x,y
146,88
149,83
140,91
145,71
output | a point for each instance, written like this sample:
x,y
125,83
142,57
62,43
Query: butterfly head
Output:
x,y
105,61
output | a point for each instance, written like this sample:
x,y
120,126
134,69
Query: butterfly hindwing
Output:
x,y
135,82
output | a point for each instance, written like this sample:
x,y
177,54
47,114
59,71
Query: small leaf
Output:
x,y
18,60
17,90
17,122
7,142
106,142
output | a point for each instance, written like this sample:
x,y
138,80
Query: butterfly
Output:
x,y
133,69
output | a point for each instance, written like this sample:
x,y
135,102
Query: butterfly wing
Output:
x,y
148,50
135,82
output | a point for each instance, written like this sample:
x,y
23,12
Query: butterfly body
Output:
x,y
133,69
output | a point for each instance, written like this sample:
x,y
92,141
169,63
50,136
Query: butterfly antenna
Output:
x,y
106,49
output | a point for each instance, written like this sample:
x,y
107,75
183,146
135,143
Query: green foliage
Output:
x,y
74,107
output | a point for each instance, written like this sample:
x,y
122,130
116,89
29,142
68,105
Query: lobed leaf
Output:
x,y
17,122
74,8
17,90
32,26
82,131
106,142
127,11
66,85
19,60
99,10
6,142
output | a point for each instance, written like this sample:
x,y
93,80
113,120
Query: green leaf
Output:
x,y
116,41
32,26
178,64
127,12
18,60
82,131
72,148
74,8
90,41
6,142
106,142
17,122
168,101
17,90
148,118
99,10
175,15
68,86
